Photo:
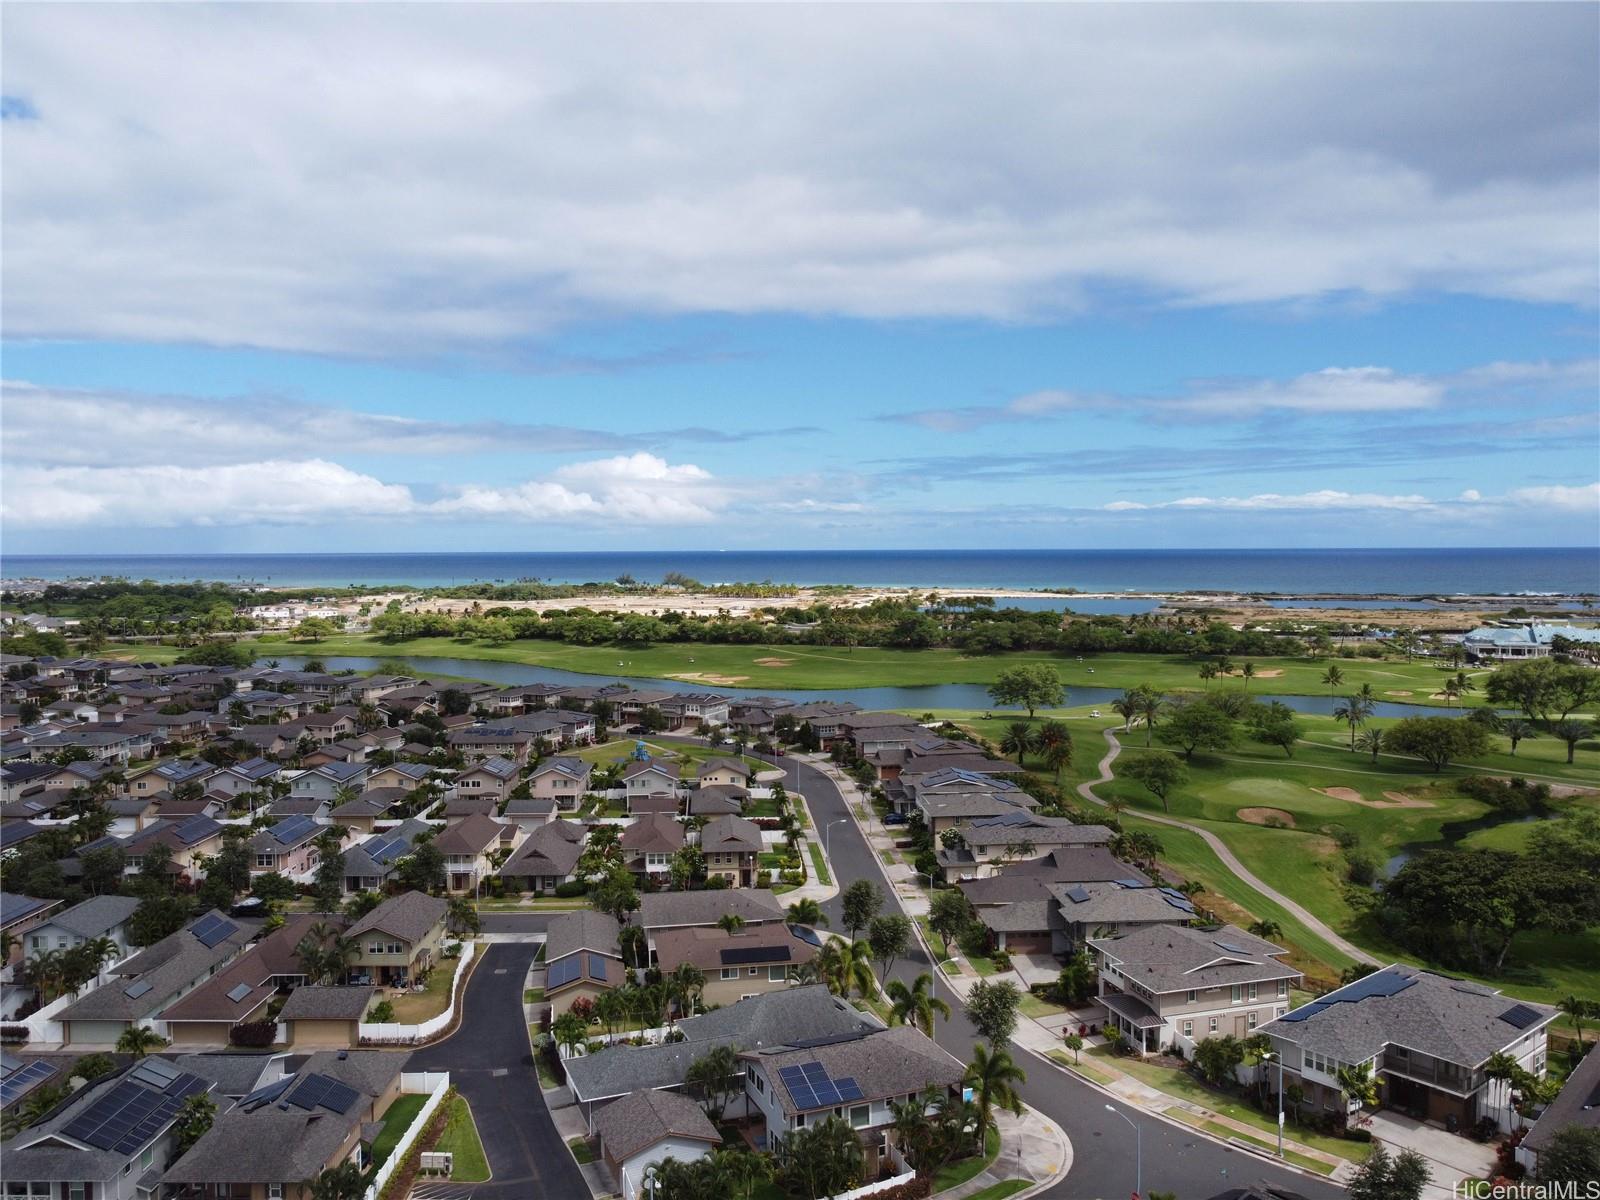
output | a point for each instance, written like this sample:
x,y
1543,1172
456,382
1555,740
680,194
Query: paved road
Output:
x,y
1229,860
489,1063
507,922
1103,1146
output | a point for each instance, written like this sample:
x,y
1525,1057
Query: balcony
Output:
x,y
1434,1072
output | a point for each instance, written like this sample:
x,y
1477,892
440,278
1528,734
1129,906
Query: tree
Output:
x,y
889,937
139,1041
1217,1057
194,1119
1543,688
992,1008
158,917
461,917
715,1076
807,912
329,885
1076,983
635,945
1333,677
1275,728
1572,1156
1379,1177
915,1005
1266,929
570,1030
1198,726
1438,741
685,986
1031,687
344,1182
819,1160
1074,1043
1371,740
994,1078
1571,732
1159,772
847,967
948,913
423,870
1358,1084
736,1172
861,901
1353,711
1503,1068
272,886
1017,740
1578,1008
1517,731
616,894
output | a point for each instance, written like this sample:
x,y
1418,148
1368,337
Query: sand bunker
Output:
x,y
1397,693
705,677
1272,674
1394,799
774,662
1266,816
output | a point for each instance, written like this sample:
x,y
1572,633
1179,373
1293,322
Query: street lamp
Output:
x,y
827,839
1274,1056
1138,1151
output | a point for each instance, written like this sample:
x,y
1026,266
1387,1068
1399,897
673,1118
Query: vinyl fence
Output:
x,y
390,1034
413,1131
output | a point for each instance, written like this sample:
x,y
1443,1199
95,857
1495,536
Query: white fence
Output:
x,y
403,1035
42,1025
418,1083
413,1131
872,1189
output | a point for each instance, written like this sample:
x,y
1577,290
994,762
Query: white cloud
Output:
x,y
368,180
1576,499
637,488
1331,390
1572,499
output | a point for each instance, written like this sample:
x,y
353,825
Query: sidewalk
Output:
x,y
1032,1147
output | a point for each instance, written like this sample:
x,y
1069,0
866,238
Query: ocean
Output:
x,y
1403,572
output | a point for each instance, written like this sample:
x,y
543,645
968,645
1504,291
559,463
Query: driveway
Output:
x,y
1175,1158
506,922
490,1064
1451,1157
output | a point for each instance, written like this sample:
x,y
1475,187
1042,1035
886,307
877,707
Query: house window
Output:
x,y
1252,1021
1213,1026
754,971
1252,991
761,1084
1188,1029
730,972
1192,996
264,860
1283,987
1236,997
396,948
777,974
75,1191
1280,1010
274,1191
799,1120
375,948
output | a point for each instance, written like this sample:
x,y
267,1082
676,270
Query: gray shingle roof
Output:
x,y
654,833
662,910
1102,903
644,1117
170,965
1578,1104
408,916
96,916
1169,958
583,929
1433,1014
888,1062
326,1004
473,834
552,849
729,834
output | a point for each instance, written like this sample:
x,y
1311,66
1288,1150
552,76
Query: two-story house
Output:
x,y
399,939
745,962
488,741
725,772
372,863
732,846
327,781
987,844
547,858
406,775
491,779
582,958
649,780
288,847
662,911
1165,985
855,1079
469,846
1426,1036
91,920
1019,908
563,779
650,842
192,840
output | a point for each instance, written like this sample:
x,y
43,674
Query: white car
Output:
x,y
1094,712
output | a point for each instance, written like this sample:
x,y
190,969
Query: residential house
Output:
x,y
488,741
192,840
90,1148
732,846
251,775
1166,985
364,812
529,812
99,917
988,843
1578,1103
469,848
459,806
142,986
399,940
288,847
547,858
738,964
18,780
1427,1036
1105,909
563,779
332,725
370,865
1021,912
694,709
493,778
406,775
716,801
582,958
645,1127
644,780
649,844
287,1132
948,798
24,918
725,772
659,911
327,781
856,1079
242,990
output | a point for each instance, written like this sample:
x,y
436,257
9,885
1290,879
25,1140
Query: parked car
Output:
x,y
778,753
894,818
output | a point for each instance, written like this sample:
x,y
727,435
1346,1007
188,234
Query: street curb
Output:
x,y
1040,1185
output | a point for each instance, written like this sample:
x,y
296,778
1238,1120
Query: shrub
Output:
x,y
792,877
573,887
1361,868
382,1013
253,1033
13,1033
1358,1135
973,940
1001,960
763,879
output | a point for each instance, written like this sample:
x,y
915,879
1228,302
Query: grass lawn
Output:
x,y
1034,1006
1088,1070
396,1121
533,995
460,1138
998,1191
982,965
547,1077
954,1174
936,942
581,1150
818,863
1223,1131
1184,1086
415,1007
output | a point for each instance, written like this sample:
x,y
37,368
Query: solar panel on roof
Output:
x,y
267,1094
562,971
8,1063
1077,894
310,1092
1379,983
597,966
23,1079
1520,1016
791,1076
219,931
1231,948
814,1070
849,1089
239,991
339,1097
803,1097
732,955
134,990
157,1072
827,1094
1301,1013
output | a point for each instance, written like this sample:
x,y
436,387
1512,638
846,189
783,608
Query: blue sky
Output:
x,y
791,278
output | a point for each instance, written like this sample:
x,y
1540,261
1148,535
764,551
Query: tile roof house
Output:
x,y
854,1078
1173,984
647,1126
1426,1035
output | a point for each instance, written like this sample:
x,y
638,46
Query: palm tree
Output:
x,y
1371,739
344,1182
993,1078
610,1006
1450,690
1577,1008
1266,929
915,1005
1018,740
569,1029
47,971
1058,758
738,1171
1208,671
806,912
1505,1068
1359,1084
462,916
1519,731
847,967
686,985
730,922
139,1041
1571,732
1354,711
1333,677
1150,705
1126,707
634,944
1249,673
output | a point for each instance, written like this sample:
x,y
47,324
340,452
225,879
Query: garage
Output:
x,y
324,1017
94,1033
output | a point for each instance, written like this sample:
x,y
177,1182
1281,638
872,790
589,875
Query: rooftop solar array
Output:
x,y
563,971
266,1094
292,829
157,1072
384,850
21,1080
732,955
1230,948
597,965
319,1091
1379,983
129,1116
213,929
1520,1016
810,1087
193,829
1077,893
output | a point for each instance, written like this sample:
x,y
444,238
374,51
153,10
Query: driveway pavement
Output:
x,y
490,1064
1175,1158
1451,1157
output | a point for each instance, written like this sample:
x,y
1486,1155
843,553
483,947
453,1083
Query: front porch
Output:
x,y
1139,1023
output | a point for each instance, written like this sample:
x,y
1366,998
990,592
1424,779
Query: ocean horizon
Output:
x,y
1417,571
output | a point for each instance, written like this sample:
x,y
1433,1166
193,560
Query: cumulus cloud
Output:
x,y
639,488
360,180
1572,499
